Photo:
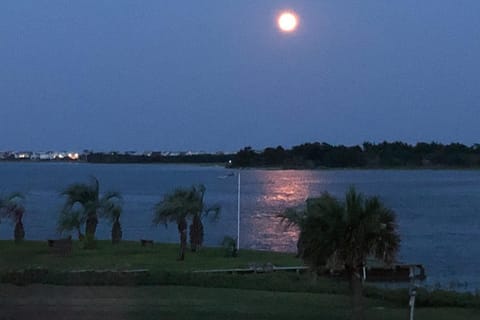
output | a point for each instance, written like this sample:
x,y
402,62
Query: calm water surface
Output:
x,y
438,210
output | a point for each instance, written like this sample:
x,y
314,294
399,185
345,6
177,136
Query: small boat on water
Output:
x,y
231,174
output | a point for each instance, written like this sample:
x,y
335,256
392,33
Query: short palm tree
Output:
x,y
348,232
196,227
114,217
84,205
11,207
294,217
179,206
70,220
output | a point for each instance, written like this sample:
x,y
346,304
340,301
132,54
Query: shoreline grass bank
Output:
x,y
32,262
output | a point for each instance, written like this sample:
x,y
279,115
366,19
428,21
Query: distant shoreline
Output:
x,y
307,156
273,168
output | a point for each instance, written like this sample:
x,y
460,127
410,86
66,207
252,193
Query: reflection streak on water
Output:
x,y
279,191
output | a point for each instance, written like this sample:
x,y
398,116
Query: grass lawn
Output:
x,y
131,255
276,295
178,302
163,267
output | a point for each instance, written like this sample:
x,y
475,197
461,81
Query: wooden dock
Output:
x,y
256,268
395,273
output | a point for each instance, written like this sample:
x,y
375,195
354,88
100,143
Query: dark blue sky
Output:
x,y
218,75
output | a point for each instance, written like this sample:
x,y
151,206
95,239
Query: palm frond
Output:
x,y
11,206
70,220
347,232
83,201
292,217
183,203
109,204
213,211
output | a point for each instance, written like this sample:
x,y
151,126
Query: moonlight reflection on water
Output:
x,y
277,192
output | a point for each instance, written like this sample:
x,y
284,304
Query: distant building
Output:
x,y
23,155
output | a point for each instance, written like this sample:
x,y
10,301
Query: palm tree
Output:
x,y
175,208
348,232
178,207
84,204
11,207
114,217
294,217
71,220
196,227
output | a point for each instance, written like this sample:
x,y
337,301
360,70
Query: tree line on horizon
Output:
x,y
312,155
368,155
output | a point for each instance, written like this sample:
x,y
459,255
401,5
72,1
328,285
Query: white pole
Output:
x,y
238,214
412,305
412,292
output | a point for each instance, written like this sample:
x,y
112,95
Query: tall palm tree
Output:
x,y
84,204
348,232
179,206
11,207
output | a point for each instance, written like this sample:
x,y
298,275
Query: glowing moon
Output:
x,y
287,21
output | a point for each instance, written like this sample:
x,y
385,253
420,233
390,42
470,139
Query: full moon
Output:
x,y
287,21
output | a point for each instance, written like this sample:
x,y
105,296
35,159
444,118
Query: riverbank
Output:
x,y
225,165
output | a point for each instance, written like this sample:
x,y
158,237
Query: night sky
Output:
x,y
219,75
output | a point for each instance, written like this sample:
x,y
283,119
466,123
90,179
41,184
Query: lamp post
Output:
x,y
238,201
412,292
238,213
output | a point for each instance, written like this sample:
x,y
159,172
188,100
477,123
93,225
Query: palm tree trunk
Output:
x,y
357,294
90,229
300,245
196,233
19,233
80,234
91,225
116,232
182,229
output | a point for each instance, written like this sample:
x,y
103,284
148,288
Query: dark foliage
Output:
x,y
369,155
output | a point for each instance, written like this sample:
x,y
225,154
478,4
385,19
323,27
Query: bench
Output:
x,y
61,247
146,243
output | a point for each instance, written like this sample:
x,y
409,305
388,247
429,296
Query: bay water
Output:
x,y
438,211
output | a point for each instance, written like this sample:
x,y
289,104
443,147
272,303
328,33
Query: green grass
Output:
x,y
164,270
181,302
130,255
202,303
161,261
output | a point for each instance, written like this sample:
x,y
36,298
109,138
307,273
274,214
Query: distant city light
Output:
x,y
73,156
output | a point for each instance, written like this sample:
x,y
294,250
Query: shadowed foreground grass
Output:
x,y
167,302
270,295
